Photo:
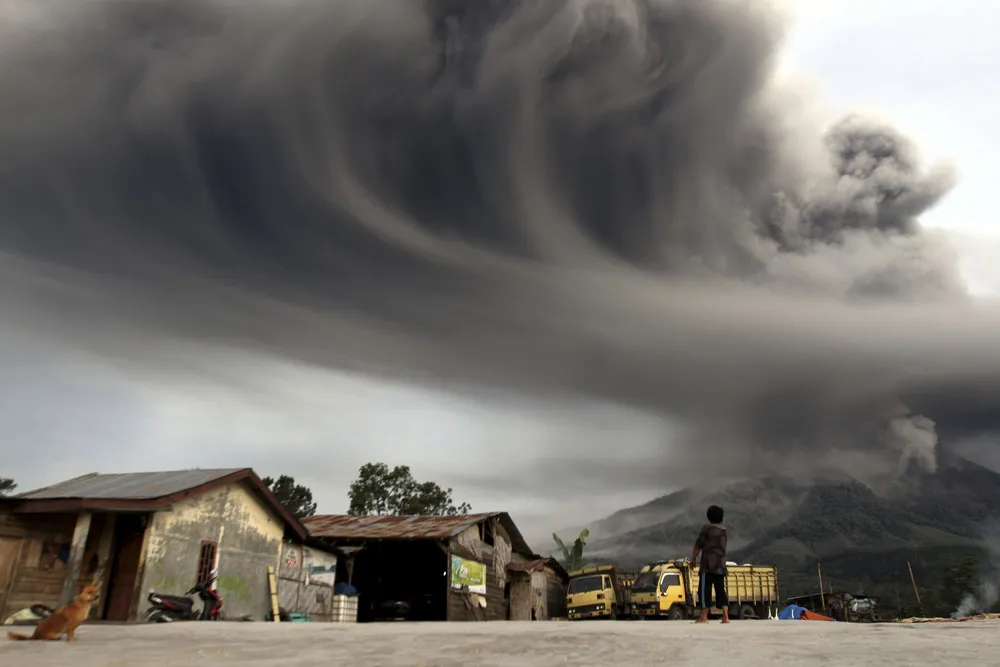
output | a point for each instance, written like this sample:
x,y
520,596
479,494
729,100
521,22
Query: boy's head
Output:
x,y
715,514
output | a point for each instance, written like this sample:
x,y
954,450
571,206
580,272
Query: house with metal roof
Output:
x,y
436,568
132,533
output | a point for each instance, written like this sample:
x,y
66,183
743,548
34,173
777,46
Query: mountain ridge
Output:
x,y
863,534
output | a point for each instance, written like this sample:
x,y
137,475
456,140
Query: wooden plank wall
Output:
x,y
471,545
539,596
34,584
457,611
556,594
496,605
37,578
521,596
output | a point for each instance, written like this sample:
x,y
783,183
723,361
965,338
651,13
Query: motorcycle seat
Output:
x,y
176,600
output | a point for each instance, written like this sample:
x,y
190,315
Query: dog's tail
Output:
x,y
15,636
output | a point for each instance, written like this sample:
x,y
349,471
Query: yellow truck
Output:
x,y
600,591
669,589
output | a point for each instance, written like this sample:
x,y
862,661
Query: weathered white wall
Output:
x,y
249,538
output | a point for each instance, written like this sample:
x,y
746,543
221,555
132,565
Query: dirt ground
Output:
x,y
524,644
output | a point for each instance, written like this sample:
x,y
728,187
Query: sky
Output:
x,y
926,66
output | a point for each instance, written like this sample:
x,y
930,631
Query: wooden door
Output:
x,y
130,531
10,553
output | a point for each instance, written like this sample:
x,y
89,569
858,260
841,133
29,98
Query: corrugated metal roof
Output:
x,y
343,527
339,527
538,564
128,486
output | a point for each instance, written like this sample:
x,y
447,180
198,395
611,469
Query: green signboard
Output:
x,y
468,573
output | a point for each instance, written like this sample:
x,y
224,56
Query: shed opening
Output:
x,y
401,580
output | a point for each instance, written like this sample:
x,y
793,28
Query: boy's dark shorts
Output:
x,y
708,583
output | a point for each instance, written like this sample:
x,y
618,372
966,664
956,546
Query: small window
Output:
x,y
670,580
206,561
487,532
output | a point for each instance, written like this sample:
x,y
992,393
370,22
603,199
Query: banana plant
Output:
x,y
573,557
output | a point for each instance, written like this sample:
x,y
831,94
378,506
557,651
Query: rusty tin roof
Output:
x,y
527,565
128,486
538,564
361,528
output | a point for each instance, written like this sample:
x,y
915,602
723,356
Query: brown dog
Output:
x,y
63,621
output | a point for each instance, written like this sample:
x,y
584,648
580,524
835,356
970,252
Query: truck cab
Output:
x,y
668,589
596,592
661,590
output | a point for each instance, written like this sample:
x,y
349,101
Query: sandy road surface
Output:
x,y
525,644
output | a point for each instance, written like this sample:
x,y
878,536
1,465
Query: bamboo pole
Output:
x,y
272,586
822,597
916,592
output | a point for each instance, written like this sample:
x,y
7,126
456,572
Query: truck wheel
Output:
x,y
675,614
747,612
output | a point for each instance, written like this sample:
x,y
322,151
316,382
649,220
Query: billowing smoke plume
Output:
x,y
610,198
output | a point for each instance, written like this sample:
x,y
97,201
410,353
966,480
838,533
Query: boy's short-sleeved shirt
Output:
x,y
712,543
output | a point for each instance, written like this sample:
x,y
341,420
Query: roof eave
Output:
x,y
65,505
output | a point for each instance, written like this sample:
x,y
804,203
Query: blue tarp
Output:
x,y
792,612
344,588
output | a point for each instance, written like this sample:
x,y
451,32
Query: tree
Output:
x,y
7,485
381,491
296,498
961,577
573,558
961,590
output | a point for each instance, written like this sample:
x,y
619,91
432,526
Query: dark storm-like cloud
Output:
x,y
609,198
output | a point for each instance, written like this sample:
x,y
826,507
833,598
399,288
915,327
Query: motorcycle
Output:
x,y
170,608
392,610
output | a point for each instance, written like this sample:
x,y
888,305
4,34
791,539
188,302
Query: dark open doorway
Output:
x,y
401,580
130,529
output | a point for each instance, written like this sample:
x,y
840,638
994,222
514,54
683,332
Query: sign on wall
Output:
x,y
468,573
305,581
321,568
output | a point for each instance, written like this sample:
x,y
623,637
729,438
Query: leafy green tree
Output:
x,y
296,498
573,558
7,485
381,491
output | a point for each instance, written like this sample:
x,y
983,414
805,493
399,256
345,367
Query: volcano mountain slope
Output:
x,y
862,538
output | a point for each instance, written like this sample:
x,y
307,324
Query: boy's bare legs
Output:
x,y
704,616
725,614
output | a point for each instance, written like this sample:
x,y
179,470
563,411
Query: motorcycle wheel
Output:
x,y
159,617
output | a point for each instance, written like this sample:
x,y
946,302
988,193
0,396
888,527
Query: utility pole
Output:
x,y
916,592
822,597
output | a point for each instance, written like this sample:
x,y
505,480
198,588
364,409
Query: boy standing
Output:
x,y
711,544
